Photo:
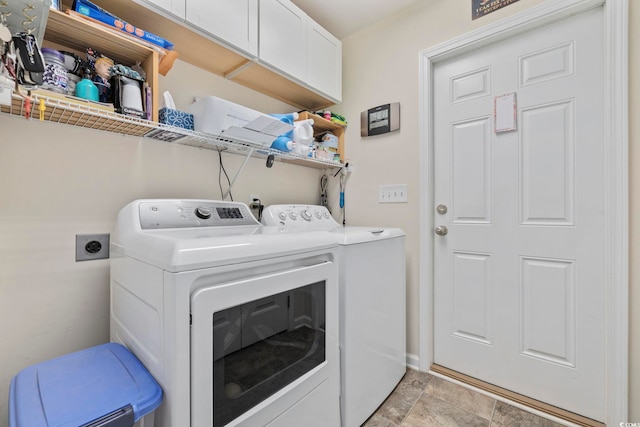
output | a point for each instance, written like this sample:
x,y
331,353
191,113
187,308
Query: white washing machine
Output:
x,y
372,266
238,322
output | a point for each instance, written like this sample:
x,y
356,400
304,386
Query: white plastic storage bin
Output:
x,y
103,386
217,116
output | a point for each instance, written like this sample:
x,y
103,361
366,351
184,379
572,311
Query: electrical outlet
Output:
x,y
253,204
392,193
92,246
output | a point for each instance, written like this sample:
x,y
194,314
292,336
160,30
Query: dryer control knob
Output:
x,y
203,213
319,214
326,214
282,215
293,215
306,215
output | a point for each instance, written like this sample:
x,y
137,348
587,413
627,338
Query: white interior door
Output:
x,y
519,296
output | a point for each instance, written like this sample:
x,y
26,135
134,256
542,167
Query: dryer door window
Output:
x,y
261,346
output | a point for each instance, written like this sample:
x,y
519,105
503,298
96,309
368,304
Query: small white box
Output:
x,y
215,115
220,117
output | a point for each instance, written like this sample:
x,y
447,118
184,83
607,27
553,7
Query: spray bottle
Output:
x,y
86,89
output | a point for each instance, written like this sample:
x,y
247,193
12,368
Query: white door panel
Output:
x,y
519,292
324,61
471,167
175,7
283,37
547,168
233,21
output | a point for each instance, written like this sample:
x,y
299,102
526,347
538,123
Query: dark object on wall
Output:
x,y
270,160
480,8
381,119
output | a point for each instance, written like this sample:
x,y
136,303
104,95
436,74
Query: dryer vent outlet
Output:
x,y
92,246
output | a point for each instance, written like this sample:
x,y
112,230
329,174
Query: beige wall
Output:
x,y
58,181
380,66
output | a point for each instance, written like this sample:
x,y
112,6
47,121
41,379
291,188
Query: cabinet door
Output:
x,y
324,71
232,21
174,7
283,37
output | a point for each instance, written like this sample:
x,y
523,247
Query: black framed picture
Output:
x,y
381,119
481,8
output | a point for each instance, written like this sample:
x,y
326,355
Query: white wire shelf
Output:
x,y
87,115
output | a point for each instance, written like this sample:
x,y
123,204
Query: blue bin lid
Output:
x,y
80,387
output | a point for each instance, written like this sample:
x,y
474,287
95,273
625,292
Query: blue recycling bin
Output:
x,y
103,386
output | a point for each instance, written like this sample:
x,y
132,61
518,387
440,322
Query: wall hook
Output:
x,y
4,15
29,19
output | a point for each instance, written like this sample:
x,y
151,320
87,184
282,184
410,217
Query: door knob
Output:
x,y
441,230
441,209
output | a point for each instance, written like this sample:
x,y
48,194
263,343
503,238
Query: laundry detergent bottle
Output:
x,y
303,132
285,141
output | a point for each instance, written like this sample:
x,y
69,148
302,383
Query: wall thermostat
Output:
x,y
379,120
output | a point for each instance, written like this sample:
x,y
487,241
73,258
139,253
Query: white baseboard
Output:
x,y
413,361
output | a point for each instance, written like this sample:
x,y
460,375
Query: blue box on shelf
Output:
x,y
104,386
329,140
176,118
87,8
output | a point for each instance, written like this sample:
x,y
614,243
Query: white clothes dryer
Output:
x,y
372,277
238,322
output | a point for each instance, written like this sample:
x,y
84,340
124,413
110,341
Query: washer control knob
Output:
x,y
282,215
306,215
203,212
319,214
293,215
326,214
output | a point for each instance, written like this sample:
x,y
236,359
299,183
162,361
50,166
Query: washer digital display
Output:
x,y
228,213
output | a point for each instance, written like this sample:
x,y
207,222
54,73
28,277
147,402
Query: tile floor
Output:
x,y
424,400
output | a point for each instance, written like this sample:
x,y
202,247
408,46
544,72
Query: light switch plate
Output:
x,y
392,193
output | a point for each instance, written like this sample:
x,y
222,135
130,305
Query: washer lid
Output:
x,y
180,241
353,235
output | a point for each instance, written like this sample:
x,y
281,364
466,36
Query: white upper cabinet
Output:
x,y
294,44
277,34
173,7
233,21
283,37
324,71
